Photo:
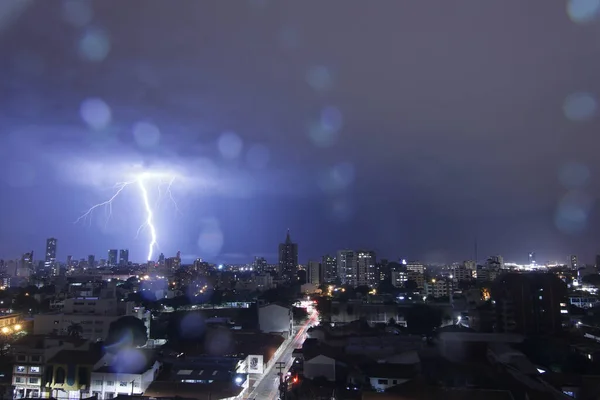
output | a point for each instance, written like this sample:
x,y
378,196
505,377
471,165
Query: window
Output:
x,y
98,383
21,369
18,379
110,383
382,381
36,358
123,384
109,395
21,358
34,370
34,381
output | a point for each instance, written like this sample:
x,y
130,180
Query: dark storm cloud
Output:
x,y
408,127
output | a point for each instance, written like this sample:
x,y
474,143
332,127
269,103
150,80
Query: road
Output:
x,y
268,385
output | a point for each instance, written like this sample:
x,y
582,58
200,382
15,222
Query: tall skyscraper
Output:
x,y
91,261
50,257
329,267
112,257
288,259
260,264
529,303
532,258
574,264
123,257
366,269
314,275
346,267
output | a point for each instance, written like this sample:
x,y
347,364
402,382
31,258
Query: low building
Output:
x,y
94,315
31,354
129,376
68,374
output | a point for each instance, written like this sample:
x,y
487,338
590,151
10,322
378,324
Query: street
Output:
x,y
268,385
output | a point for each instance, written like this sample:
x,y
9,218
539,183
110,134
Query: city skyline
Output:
x,y
362,140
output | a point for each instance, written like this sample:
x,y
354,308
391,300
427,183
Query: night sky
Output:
x,y
406,127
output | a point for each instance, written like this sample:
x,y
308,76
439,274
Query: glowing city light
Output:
x,y
163,182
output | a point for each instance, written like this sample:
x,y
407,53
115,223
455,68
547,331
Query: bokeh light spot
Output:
x,y
230,145
96,113
572,213
94,45
192,326
319,78
128,359
583,11
580,107
574,175
146,134
211,238
338,178
258,156
77,12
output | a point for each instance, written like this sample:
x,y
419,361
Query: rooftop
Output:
x,y
70,357
215,390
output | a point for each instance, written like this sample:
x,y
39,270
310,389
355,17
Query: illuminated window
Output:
x,y
21,368
34,370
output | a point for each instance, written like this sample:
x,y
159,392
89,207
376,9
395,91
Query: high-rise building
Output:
x,y
574,264
91,261
50,256
260,265
314,274
366,271
347,267
529,303
112,257
532,258
123,257
288,258
598,261
329,269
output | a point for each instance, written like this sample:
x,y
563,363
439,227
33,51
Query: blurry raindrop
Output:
x,y
319,78
192,326
572,213
218,342
580,107
289,38
94,45
211,238
146,134
574,175
583,11
77,12
337,178
230,145
20,174
258,156
322,136
29,64
96,113
128,359
341,210
331,119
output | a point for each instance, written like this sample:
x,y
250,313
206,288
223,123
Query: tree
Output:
x,y
127,331
391,322
75,330
363,290
411,286
423,319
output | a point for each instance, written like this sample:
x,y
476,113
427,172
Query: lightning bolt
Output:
x,y
141,182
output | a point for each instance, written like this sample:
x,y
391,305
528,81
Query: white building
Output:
x,y
347,267
275,318
93,314
366,269
106,383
